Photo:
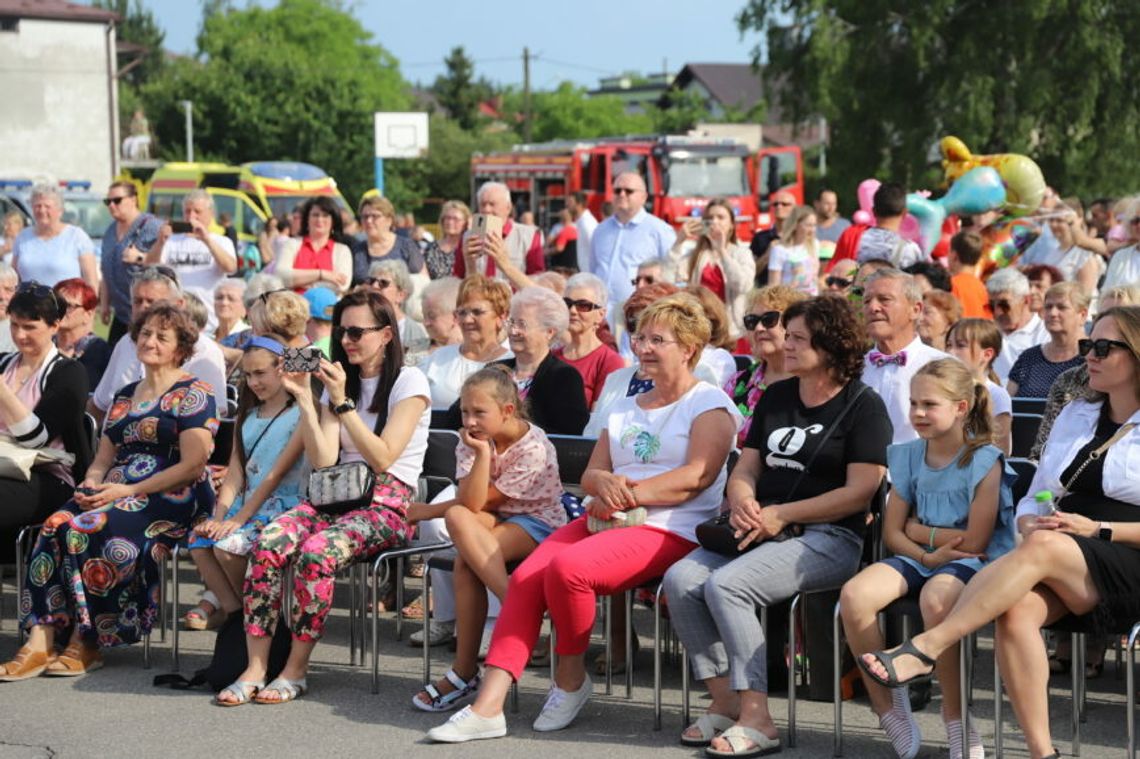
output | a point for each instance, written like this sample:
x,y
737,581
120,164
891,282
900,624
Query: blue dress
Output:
x,y
102,565
258,465
942,497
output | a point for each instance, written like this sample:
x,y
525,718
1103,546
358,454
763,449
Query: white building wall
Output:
x,y
56,111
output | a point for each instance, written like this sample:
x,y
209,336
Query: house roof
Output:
x,y
731,84
58,10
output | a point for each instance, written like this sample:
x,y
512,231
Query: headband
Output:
x,y
266,343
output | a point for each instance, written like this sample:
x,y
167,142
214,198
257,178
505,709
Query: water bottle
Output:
x,y
1046,505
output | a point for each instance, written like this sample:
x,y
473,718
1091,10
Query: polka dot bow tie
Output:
x,y
882,359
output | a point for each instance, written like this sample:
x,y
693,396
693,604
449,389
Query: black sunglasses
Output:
x,y
839,282
1100,348
354,333
37,290
581,306
115,201
769,319
649,280
264,297
624,191
379,283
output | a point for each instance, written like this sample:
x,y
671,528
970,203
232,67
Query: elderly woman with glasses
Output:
x,y
76,339
586,300
51,250
766,334
381,243
482,309
391,279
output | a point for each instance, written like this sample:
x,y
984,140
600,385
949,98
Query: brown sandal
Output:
x,y
76,660
25,665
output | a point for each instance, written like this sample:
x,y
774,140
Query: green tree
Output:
x,y
567,113
457,90
1053,79
299,81
681,111
138,28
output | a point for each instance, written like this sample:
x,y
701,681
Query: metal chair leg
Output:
x,y
399,580
21,573
175,632
965,649
1130,685
629,644
376,567
792,669
685,714
837,684
1078,670
427,622
514,696
657,657
607,611
352,631
997,702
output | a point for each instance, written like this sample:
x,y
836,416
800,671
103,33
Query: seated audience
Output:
x,y
1020,327
715,356
319,255
381,243
586,302
390,278
76,337
976,342
940,310
1065,312
438,306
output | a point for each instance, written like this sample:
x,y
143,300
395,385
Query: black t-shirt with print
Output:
x,y
785,432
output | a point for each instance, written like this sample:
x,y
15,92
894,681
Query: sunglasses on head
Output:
x,y
769,319
839,282
582,306
353,333
264,297
1100,348
165,271
37,290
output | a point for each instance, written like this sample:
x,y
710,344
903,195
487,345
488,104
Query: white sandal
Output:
x,y
711,725
443,702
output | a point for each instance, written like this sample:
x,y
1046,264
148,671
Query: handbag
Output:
x,y
16,462
340,488
718,536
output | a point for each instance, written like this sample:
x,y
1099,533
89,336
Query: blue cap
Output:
x,y
321,302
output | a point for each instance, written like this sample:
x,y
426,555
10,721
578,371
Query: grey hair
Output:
x,y
652,263
232,283
45,190
442,292
199,194
258,285
910,288
552,312
483,188
592,282
1008,280
152,274
196,310
7,272
397,271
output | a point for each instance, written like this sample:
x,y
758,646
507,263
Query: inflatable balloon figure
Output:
x,y
977,191
1024,183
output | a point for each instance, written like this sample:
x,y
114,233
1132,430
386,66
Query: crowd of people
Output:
x,y
763,392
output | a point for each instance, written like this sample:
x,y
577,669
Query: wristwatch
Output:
x,y
1105,532
350,405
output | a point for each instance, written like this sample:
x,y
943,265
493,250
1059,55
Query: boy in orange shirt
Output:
x,y
965,252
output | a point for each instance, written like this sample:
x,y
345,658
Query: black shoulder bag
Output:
x,y
718,536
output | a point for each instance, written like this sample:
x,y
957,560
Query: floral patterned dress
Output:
x,y
101,566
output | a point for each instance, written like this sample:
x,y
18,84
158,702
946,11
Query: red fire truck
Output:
x,y
682,175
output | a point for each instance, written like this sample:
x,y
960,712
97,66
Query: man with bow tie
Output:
x,y
892,303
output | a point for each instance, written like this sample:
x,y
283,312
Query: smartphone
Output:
x,y
86,491
302,359
181,227
482,224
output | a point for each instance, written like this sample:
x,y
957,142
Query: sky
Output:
x,y
577,42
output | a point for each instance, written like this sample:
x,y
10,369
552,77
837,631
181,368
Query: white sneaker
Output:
x,y
562,707
465,725
441,632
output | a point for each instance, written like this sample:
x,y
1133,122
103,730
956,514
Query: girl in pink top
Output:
x,y
509,501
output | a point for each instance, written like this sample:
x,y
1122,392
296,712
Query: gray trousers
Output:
x,y
714,600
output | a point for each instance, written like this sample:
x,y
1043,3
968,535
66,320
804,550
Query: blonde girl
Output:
x,y
976,343
794,259
509,501
949,511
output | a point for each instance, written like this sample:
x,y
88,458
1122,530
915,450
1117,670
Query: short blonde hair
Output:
x,y
1121,295
779,297
1073,291
283,313
455,205
378,203
478,287
684,316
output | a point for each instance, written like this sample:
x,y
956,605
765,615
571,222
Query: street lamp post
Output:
x,y
188,107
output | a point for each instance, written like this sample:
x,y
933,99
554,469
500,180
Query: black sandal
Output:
x,y
887,660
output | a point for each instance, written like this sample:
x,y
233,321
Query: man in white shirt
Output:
x,y
627,238
207,364
200,257
892,303
585,223
1020,327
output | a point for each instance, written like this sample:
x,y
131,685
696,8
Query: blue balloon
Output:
x,y
977,191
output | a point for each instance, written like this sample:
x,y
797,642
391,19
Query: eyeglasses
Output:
x,y
769,319
1100,348
265,296
353,333
383,284
114,201
653,341
646,278
519,324
624,191
582,306
839,282
782,203
69,306
1003,305
463,313
371,216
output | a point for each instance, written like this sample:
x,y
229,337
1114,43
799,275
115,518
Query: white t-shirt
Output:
x,y
1072,261
446,369
884,244
409,384
1123,268
999,399
720,362
892,383
198,270
585,225
207,364
1017,342
797,266
645,444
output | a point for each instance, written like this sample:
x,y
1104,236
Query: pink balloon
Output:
x,y
865,218
866,195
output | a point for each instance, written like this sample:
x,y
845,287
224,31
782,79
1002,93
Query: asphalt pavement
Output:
x,y
117,712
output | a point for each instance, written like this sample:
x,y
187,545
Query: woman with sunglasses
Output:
x,y
482,309
381,243
373,409
708,254
42,395
76,339
391,279
1065,312
766,334
585,299
1077,568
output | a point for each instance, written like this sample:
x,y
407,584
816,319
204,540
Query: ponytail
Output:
x,y
957,381
979,427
